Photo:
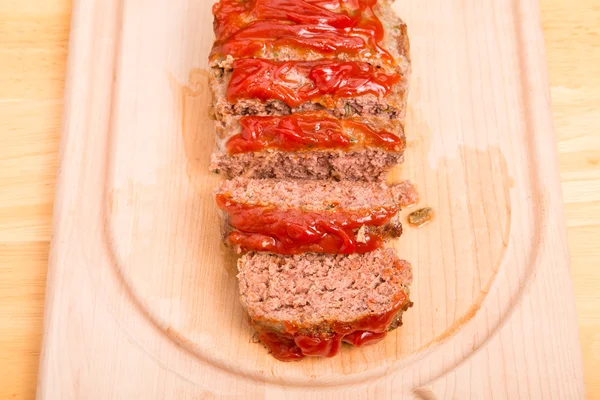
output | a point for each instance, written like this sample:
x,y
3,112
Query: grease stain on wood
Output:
x,y
192,100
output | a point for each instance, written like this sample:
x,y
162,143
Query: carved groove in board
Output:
x,y
149,167
135,191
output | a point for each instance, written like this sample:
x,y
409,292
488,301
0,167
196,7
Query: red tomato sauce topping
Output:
x,y
308,131
246,29
296,82
294,344
293,231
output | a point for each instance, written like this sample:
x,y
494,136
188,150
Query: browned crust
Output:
x,y
392,106
404,42
397,322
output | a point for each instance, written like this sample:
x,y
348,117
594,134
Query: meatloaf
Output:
x,y
311,145
309,102
283,30
275,57
307,305
344,88
288,216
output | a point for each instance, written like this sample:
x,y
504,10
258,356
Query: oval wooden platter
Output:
x,y
142,297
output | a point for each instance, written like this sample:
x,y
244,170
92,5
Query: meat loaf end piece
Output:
x,y
277,46
308,304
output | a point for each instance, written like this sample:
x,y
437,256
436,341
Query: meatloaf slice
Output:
x,y
288,216
285,30
344,88
306,305
364,165
311,145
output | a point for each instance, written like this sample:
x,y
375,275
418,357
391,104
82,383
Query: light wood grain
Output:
x,y
148,284
33,53
573,47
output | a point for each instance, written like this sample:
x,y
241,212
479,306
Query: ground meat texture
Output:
x,y
365,165
252,89
306,204
292,217
312,145
230,16
308,304
318,195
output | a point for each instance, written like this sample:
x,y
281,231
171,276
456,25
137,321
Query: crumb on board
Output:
x,y
420,217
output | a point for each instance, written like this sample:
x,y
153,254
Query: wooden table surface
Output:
x,y
33,52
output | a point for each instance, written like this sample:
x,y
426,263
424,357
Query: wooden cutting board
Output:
x,y
142,299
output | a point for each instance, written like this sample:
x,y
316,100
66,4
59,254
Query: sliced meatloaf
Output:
x,y
307,305
313,145
287,216
365,165
283,30
344,88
